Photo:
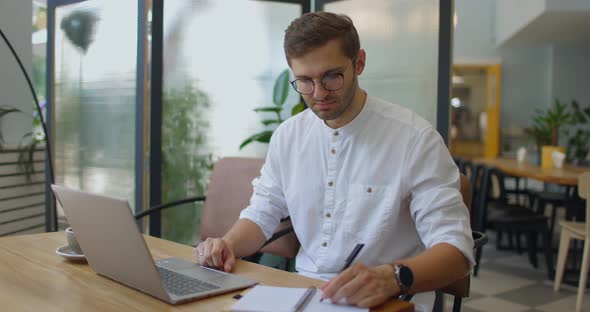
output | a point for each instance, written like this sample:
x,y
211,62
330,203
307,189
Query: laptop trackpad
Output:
x,y
191,269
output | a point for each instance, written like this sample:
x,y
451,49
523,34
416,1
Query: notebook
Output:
x,y
284,299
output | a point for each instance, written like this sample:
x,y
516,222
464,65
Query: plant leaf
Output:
x,y
262,137
274,109
281,88
298,108
267,122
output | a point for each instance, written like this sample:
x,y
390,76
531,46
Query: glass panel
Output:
x,y
221,59
401,40
95,80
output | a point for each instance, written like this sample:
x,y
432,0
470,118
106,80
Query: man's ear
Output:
x,y
360,59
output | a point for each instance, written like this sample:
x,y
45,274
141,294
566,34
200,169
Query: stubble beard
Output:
x,y
342,104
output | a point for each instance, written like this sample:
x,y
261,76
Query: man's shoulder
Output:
x,y
396,114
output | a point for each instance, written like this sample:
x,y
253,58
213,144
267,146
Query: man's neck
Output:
x,y
358,102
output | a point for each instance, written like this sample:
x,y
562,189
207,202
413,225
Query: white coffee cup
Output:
x,y
521,155
72,241
558,159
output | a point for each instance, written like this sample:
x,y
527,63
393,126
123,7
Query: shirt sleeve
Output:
x,y
436,204
268,205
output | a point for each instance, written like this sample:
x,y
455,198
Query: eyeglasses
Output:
x,y
330,82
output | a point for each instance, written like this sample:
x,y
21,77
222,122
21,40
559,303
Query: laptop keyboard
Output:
x,y
182,285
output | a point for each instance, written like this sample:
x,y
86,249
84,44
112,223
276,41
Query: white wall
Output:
x,y
15,22
526,71
567,5
512,16
571,73
474,40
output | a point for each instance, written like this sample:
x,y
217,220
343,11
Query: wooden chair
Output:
x,y
228,192
513,219
460,288
576,230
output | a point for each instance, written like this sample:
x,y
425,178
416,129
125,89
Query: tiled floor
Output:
x,y
507,282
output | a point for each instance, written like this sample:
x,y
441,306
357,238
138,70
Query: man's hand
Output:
x,y
362,285
215,253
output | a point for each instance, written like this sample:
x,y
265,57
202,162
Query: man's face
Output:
x,y
321,63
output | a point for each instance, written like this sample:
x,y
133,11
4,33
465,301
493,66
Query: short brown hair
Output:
x,y
313,30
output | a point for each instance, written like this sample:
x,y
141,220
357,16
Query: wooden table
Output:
x,y
34,278
568,175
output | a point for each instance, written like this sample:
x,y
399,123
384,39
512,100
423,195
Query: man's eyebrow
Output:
x,y
329,71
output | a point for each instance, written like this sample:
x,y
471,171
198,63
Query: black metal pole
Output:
x,y
445,58
156,115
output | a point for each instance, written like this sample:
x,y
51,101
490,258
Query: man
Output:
x,y
353,169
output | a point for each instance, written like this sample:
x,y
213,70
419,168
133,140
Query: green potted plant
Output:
x,y
28,142
578,143
279,97
545,130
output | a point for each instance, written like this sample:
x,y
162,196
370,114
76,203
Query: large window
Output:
x,y
401,40
95,56
221,59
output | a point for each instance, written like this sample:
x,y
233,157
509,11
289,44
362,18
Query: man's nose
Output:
x,y
319,92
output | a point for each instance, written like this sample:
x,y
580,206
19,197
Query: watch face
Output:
x,y
405,276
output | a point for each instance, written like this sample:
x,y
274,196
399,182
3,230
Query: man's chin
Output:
x,y
325,115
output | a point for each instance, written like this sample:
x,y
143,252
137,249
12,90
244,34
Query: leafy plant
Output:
x,y
279,96
546,124
578,144
565,118
186,164
26,147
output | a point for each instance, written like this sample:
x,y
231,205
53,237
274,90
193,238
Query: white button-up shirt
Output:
x,y
386,179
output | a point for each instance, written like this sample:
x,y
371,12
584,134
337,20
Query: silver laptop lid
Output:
x,y
111,242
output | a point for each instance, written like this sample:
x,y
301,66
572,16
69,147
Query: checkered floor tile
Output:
x,y
508,282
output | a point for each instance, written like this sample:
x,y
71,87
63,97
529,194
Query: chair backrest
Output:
x,y
460,164
468,168
229,191
584,192
460,287
479,195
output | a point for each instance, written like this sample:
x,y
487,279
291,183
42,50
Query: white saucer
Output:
x,y
66,252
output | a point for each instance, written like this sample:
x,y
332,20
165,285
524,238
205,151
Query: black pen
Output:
x,y
351,258
305,298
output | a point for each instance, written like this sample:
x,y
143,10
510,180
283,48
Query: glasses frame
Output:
x,y
341,74
294,84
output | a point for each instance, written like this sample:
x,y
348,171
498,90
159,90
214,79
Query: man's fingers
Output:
x,y
229,263
199,253
334,284
352,287
217,250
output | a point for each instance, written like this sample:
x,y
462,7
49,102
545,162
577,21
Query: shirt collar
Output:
x,y
353,126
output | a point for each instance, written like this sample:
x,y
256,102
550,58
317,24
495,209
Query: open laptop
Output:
x,y
114,248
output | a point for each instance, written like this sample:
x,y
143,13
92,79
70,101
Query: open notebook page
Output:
x,y
283,299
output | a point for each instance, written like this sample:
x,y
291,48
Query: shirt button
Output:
x,y
324,244
330,183
336,133
328,215
333,151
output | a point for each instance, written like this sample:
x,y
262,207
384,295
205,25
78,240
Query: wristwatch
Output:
x,y
403,277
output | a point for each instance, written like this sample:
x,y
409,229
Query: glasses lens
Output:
x,y
303,86
333,82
